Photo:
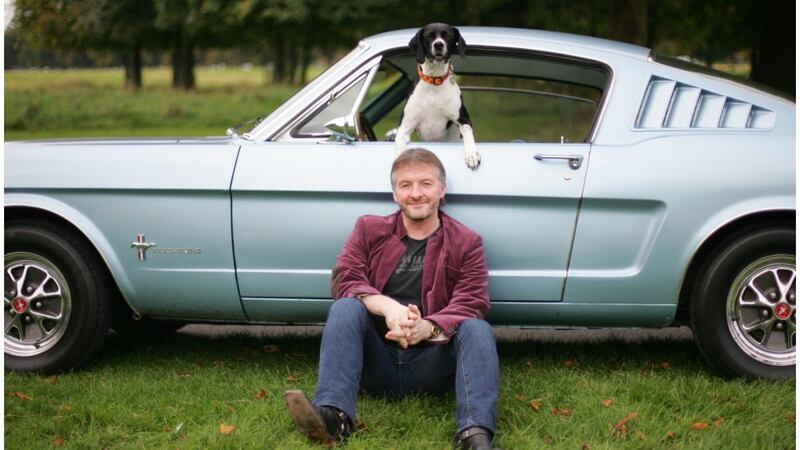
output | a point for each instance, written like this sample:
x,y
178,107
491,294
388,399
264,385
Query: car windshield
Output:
x,y
344,60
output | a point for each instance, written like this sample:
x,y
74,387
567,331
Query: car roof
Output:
x,y
493,36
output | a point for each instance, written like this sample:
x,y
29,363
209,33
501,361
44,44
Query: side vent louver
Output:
x,y
669,104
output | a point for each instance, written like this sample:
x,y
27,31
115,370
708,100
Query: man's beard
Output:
x,y
420,214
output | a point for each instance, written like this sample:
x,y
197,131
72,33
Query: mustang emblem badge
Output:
x,y
141,246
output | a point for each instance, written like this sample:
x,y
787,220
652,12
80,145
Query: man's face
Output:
x,y
418,190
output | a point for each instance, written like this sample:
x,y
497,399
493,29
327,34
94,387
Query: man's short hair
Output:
x,y
414,156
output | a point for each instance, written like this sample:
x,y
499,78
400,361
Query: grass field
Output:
x,y
91,102
182,391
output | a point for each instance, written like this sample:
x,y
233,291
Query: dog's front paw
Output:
x,y
400,145
472,158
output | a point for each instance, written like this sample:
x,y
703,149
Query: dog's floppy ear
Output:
x,y
416,46
460,43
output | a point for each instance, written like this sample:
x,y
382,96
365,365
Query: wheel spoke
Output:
x,y
40,293
41,327
11,324
764,325
761,300
20,282
41,315
11,276
21,328
783,287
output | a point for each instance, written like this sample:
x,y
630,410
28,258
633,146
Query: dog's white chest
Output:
x,y
432,107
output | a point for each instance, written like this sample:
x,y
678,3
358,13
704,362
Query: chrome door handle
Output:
x,y
575,161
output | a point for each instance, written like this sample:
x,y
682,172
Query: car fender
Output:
x,y
86,226
728,215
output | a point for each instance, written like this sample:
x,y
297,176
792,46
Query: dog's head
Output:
x,y
437,42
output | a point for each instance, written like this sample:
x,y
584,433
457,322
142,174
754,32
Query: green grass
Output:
x,y
92,102
174,392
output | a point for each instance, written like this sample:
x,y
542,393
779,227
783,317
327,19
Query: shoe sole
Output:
x,y
306,418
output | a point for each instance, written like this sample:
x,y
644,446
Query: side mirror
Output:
x,y
343,129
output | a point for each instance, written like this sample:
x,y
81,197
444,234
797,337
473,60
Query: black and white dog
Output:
x,y
435,108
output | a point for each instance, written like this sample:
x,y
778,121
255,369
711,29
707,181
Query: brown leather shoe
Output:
x,y
325,425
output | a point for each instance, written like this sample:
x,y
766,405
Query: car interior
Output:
x,y
510,97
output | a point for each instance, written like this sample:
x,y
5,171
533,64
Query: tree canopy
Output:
x,y
290,34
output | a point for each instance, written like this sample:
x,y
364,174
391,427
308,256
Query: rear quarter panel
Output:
x,y
652,196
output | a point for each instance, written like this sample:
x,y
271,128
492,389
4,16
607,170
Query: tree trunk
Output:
x,y
278,60
183,65
773,58
133,67
293,59
628,21
306,62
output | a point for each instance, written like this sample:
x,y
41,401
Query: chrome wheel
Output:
x,y
761,310
37,304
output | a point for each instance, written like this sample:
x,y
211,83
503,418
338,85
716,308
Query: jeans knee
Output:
x,y
347,308
476,329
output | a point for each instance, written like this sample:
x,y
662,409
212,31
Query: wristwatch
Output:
x,y
435,331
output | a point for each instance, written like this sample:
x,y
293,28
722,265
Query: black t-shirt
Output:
x,y
405,283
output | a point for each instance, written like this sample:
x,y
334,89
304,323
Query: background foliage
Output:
x,y
289,35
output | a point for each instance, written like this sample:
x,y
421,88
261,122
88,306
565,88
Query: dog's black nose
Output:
x,y
438,45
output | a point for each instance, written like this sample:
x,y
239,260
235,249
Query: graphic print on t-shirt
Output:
x,y
409,263
405,283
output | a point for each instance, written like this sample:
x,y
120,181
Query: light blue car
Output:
x,y
617,189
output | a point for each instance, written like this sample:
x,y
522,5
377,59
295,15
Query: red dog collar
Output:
x,y
436,81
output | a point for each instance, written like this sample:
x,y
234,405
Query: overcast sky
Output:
x,y
8,11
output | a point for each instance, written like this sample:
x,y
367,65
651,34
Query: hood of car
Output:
x,y
147,163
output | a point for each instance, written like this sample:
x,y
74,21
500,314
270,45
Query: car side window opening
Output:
x,y
510,97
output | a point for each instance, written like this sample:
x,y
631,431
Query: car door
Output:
x,y
296,199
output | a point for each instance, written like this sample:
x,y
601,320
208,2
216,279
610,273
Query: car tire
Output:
x,y
57,298
742,307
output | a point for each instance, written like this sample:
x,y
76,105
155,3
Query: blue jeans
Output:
x,y
354,356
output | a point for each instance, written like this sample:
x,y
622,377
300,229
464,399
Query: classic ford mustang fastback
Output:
x,y
617,189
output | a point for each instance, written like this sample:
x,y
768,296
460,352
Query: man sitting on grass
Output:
x,y
411,290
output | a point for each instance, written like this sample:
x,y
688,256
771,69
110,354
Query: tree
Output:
x,y
125,26
773,49
628,21
190,24
122,25
49,24
275,23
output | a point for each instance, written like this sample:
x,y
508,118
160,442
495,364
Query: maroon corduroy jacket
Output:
x,y
455,281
